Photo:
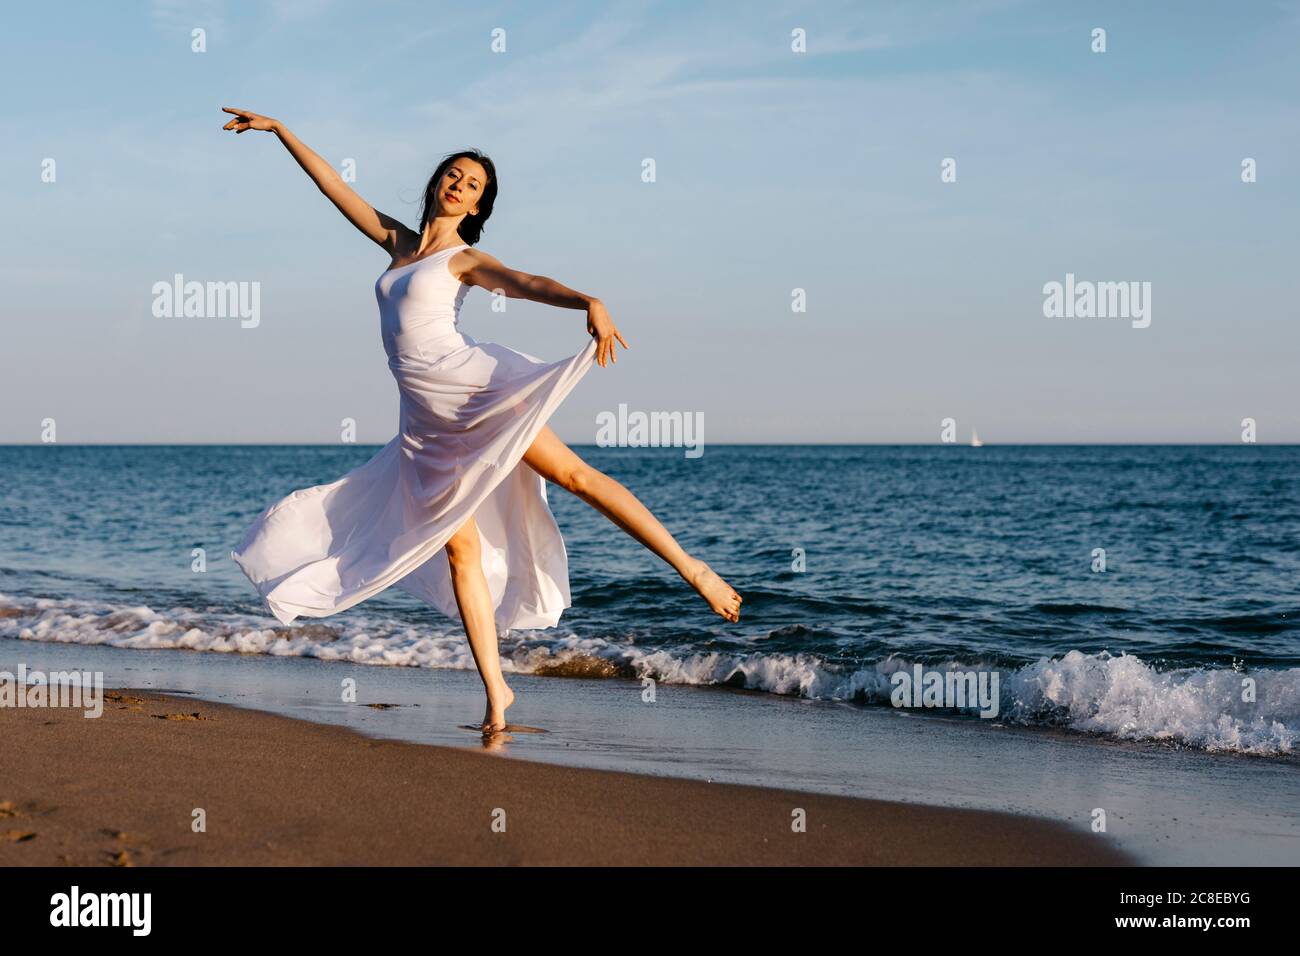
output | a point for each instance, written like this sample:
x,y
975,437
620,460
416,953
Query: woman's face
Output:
x,y
460,187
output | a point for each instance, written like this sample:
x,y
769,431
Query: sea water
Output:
x,y
1142,593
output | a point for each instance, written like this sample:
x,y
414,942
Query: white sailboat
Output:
x,y
975,438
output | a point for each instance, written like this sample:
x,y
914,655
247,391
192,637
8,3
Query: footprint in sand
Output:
x,y
32,808
123,701
120,855
9,810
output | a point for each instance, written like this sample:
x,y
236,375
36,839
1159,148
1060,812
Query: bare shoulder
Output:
x,y
477,257
471,262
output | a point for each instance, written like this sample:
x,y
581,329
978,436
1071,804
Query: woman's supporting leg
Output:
x,y
556,462
464,558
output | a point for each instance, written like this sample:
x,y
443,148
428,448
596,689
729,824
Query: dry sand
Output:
x,y
122,790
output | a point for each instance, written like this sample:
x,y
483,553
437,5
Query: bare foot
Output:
x,y
720,595
494,716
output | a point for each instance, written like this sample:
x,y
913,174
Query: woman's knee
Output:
x,y
463,546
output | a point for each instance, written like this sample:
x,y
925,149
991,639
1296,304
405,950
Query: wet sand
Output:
x,y
123,790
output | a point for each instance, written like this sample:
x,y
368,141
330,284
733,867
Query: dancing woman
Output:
x,y
466,473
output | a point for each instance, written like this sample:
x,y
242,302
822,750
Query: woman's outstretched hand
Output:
x,y
245,120
602,329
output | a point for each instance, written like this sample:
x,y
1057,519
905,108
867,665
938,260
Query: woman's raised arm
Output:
x,y
384,230
490,273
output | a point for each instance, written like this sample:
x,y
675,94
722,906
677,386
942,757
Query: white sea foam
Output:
x,y
1118,696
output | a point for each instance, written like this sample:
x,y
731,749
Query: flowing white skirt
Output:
x,y
467,418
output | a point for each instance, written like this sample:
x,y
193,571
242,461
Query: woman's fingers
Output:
x,y
243,121
606,351
605,348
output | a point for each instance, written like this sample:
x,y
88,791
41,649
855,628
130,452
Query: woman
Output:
x,y
473,415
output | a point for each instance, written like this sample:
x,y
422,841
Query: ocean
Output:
x,y
1122,593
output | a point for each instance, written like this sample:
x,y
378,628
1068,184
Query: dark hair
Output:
x,y
471,227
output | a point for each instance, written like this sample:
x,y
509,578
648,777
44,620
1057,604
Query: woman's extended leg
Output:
x,y
465,560
556,462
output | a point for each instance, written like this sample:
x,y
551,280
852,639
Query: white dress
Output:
x,y
468,413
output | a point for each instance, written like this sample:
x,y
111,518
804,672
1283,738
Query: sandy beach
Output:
x,y
123,789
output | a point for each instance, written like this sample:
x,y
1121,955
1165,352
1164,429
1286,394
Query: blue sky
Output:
x,y
775,171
